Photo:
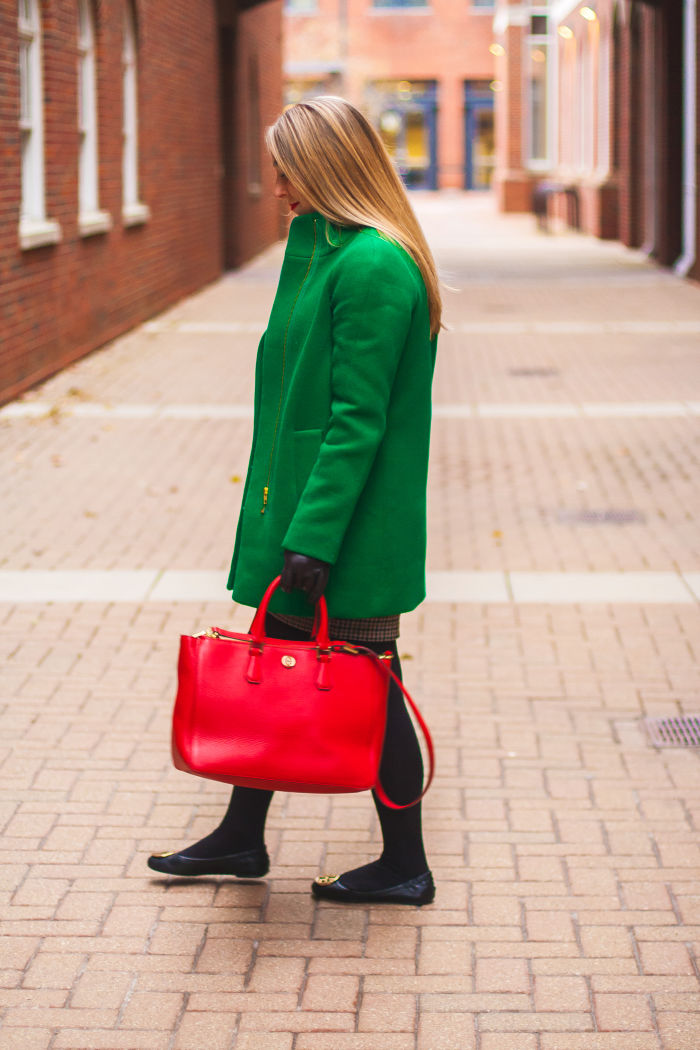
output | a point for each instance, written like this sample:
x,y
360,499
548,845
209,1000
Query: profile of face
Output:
x,y
285,190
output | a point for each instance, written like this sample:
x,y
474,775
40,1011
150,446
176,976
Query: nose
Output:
x,y
280,190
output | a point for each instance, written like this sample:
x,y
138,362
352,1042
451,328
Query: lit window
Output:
x,y
300,7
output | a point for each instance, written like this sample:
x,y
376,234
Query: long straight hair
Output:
x,y
331,153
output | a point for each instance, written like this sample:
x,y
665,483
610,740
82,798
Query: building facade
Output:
x,y
420,69
133,164
598,110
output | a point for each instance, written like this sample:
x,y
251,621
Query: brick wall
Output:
x,y
59,302
253,219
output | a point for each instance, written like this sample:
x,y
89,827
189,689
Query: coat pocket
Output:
x,y
306,447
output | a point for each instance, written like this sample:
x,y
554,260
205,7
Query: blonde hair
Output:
x,y
335,158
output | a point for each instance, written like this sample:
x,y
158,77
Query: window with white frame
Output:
x,y
87,110
34,228
604,73
568,109
130,166
133,211
537,90
586,106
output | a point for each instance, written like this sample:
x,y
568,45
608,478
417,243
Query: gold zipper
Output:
x,y
266,488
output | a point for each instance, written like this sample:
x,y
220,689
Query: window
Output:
x,y
87,109
254,128
133,212
486,5
586,106
603,130
536,81
90,218
129,142
300,7
399,3
34,228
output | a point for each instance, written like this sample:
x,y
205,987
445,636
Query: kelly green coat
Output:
x,y
339,462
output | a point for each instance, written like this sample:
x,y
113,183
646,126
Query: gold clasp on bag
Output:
x,y
288,661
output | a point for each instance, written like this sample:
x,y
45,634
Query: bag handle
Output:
x,y
320,629
382,664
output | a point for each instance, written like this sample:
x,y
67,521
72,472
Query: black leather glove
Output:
x,y
305,574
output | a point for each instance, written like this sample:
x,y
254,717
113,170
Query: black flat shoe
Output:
x,y
249,864
418,891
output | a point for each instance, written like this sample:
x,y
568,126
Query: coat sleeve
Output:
x,y
372,303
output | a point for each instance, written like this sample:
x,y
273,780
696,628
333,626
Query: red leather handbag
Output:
x,y
291,716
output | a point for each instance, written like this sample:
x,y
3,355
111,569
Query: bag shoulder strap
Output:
x,y
381,793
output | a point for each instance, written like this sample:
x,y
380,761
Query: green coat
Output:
x,y
339,462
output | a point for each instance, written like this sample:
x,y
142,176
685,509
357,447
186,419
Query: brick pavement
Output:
x,y
565,848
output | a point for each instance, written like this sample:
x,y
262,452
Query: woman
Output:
x,y
336,488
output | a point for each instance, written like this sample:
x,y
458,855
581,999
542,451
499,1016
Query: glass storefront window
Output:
x,y
403,112
399,3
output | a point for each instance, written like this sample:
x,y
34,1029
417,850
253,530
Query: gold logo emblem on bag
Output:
x,y
288,661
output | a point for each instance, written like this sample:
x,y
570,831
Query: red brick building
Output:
x,y
133,167
421,70
599,103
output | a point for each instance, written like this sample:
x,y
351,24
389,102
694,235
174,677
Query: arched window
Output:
x,y
34,228
90,218
133,211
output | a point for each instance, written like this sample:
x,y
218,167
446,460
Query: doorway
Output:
x,y
404,114
478,135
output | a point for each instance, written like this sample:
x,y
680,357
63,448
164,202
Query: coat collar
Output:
x,y
314,231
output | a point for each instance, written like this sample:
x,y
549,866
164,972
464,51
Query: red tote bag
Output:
x,y
293,716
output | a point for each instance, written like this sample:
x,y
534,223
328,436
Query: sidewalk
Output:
x,y
564,567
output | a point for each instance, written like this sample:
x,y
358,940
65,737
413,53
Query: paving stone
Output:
x,y
440,1032
563,845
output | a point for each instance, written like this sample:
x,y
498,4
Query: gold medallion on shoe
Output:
x,y
326,880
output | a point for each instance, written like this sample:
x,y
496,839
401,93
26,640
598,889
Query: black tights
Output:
x,y
401,774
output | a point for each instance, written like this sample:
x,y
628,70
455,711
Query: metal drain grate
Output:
x,y
674,732
600,517
525,373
